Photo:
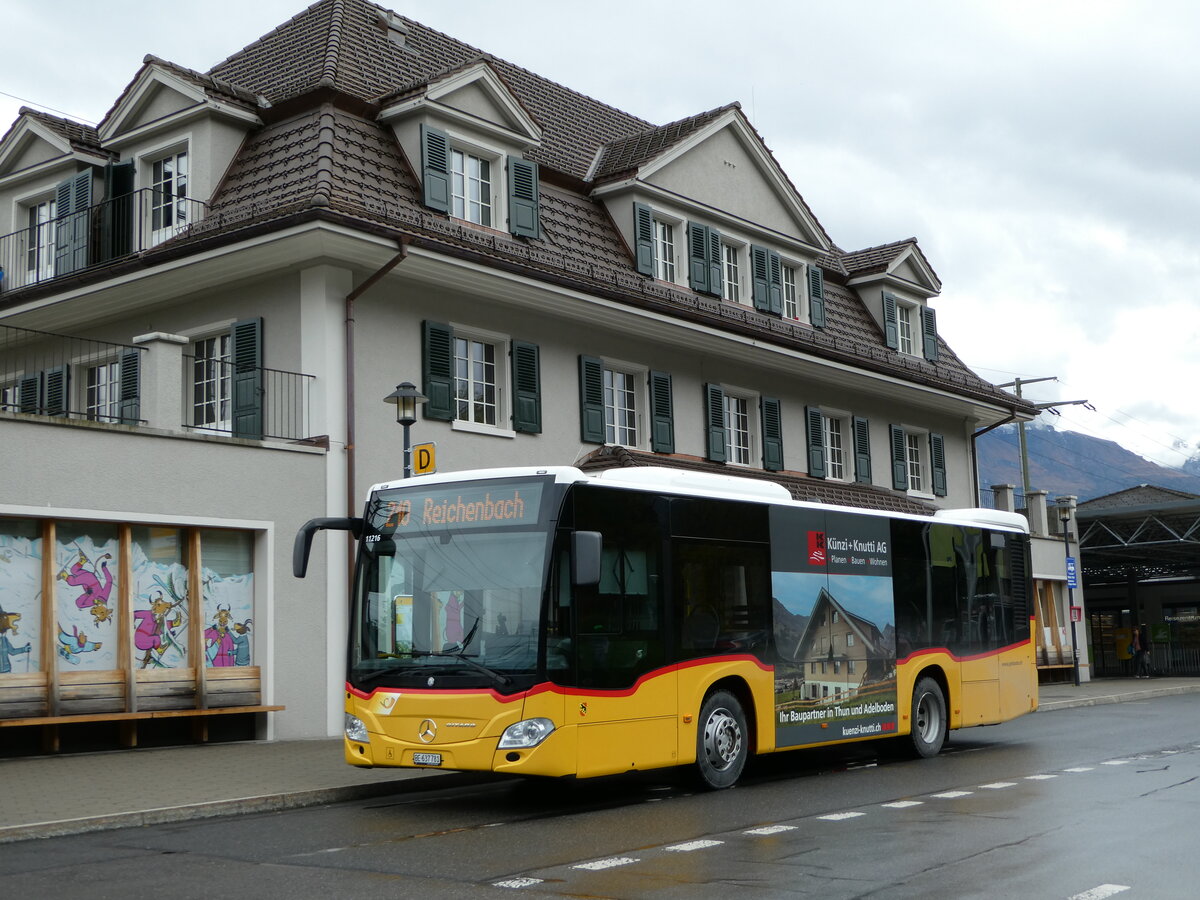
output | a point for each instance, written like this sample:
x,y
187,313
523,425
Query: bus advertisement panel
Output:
x,y
831,581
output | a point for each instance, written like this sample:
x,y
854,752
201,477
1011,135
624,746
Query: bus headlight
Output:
x,y
356,730
526,733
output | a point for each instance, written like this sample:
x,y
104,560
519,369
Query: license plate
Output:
x,y
427,759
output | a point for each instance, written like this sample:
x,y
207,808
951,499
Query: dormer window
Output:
x,y
664,250
731,283
471,188
465,182
168,196
910,327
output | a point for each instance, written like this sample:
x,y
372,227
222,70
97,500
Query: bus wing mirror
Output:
x,y
586,549
304,537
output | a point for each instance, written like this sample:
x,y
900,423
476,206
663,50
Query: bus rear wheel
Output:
x,y
929,720
721,741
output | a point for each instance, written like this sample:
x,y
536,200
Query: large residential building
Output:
x,y
206,299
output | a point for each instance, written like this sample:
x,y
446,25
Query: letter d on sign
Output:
x,y
424,458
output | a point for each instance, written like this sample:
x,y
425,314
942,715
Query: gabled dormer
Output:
x,y
895,283
702,203
178,129
466,134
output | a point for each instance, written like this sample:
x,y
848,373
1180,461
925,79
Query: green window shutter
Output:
x,y
891,327
698,257
775,283
772,434
246,356
714,422
816,441
643,238
56,391
862,451
899,458
716,279
662,412
523,197
128,386
527,388
591,400
816,296
929,333
937,458
73,200
760,275
116,219
437,363
435,168
29,388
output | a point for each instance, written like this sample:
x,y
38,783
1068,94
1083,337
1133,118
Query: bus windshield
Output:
x,y
450,584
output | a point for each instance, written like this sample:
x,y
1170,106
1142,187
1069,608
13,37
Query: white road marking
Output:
x,y
952,795
902,804
1100,892
1039,777
1080,769
771,829
1116,762
837,817
689,846
611,863
999,785
517,882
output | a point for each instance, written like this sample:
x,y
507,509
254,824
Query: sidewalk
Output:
x,y
54,795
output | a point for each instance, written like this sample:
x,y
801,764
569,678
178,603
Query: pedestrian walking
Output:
x,y
1141,644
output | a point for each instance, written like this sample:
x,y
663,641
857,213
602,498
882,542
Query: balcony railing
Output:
x,y
222,397
49,374
94,236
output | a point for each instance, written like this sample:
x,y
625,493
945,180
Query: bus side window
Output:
x,y
722,592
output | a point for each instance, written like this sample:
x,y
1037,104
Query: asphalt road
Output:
x,y
1086,803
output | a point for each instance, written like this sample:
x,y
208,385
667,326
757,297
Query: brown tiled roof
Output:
x,y
628,153
801,486
874,260
339,44
81,137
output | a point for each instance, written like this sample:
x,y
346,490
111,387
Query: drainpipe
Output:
x,y
351,499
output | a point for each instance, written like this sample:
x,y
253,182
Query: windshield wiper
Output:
x,y
388,670
459,652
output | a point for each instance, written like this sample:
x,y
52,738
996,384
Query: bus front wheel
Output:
x,y
929,720
721,741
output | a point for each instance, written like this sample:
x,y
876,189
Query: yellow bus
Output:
x,y
556,623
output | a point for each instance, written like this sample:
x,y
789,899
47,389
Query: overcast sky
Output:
x,y
1043,152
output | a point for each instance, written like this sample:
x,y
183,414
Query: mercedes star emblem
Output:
x,y
427,731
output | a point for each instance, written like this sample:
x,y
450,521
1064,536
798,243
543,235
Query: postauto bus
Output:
x,y
544,621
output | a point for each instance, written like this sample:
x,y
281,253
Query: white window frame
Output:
x,y
666,259
10,396
637,381
918,467
102,390
461,200
732,264
502,343
904,328
749,414
217,371
36,217
795,291
837,459
179,203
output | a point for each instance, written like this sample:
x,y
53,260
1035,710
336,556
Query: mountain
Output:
x,y
1066,462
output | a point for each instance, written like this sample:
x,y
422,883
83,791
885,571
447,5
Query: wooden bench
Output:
x,y
129,720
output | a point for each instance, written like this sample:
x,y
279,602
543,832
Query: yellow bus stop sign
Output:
x,y
424,458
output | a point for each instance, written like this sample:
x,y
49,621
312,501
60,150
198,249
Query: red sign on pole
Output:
x,y
1076,613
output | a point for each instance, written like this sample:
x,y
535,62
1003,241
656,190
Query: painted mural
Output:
x,y
228,580
85,600
20,598
160,600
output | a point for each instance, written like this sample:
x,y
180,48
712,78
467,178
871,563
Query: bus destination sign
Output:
x,y
486,505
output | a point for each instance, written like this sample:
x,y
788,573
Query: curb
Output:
x,y
266,803
1104,699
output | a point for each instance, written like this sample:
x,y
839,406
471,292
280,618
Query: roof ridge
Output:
x,y
333,45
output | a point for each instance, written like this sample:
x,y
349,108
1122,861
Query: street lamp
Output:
x,y
406,397
1065,507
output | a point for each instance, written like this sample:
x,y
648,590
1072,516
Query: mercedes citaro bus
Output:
x,y
544,621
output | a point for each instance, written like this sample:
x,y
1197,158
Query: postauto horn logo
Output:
x,y
816,548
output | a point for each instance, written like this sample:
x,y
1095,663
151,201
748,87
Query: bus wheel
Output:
x,y
929,721
721,741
